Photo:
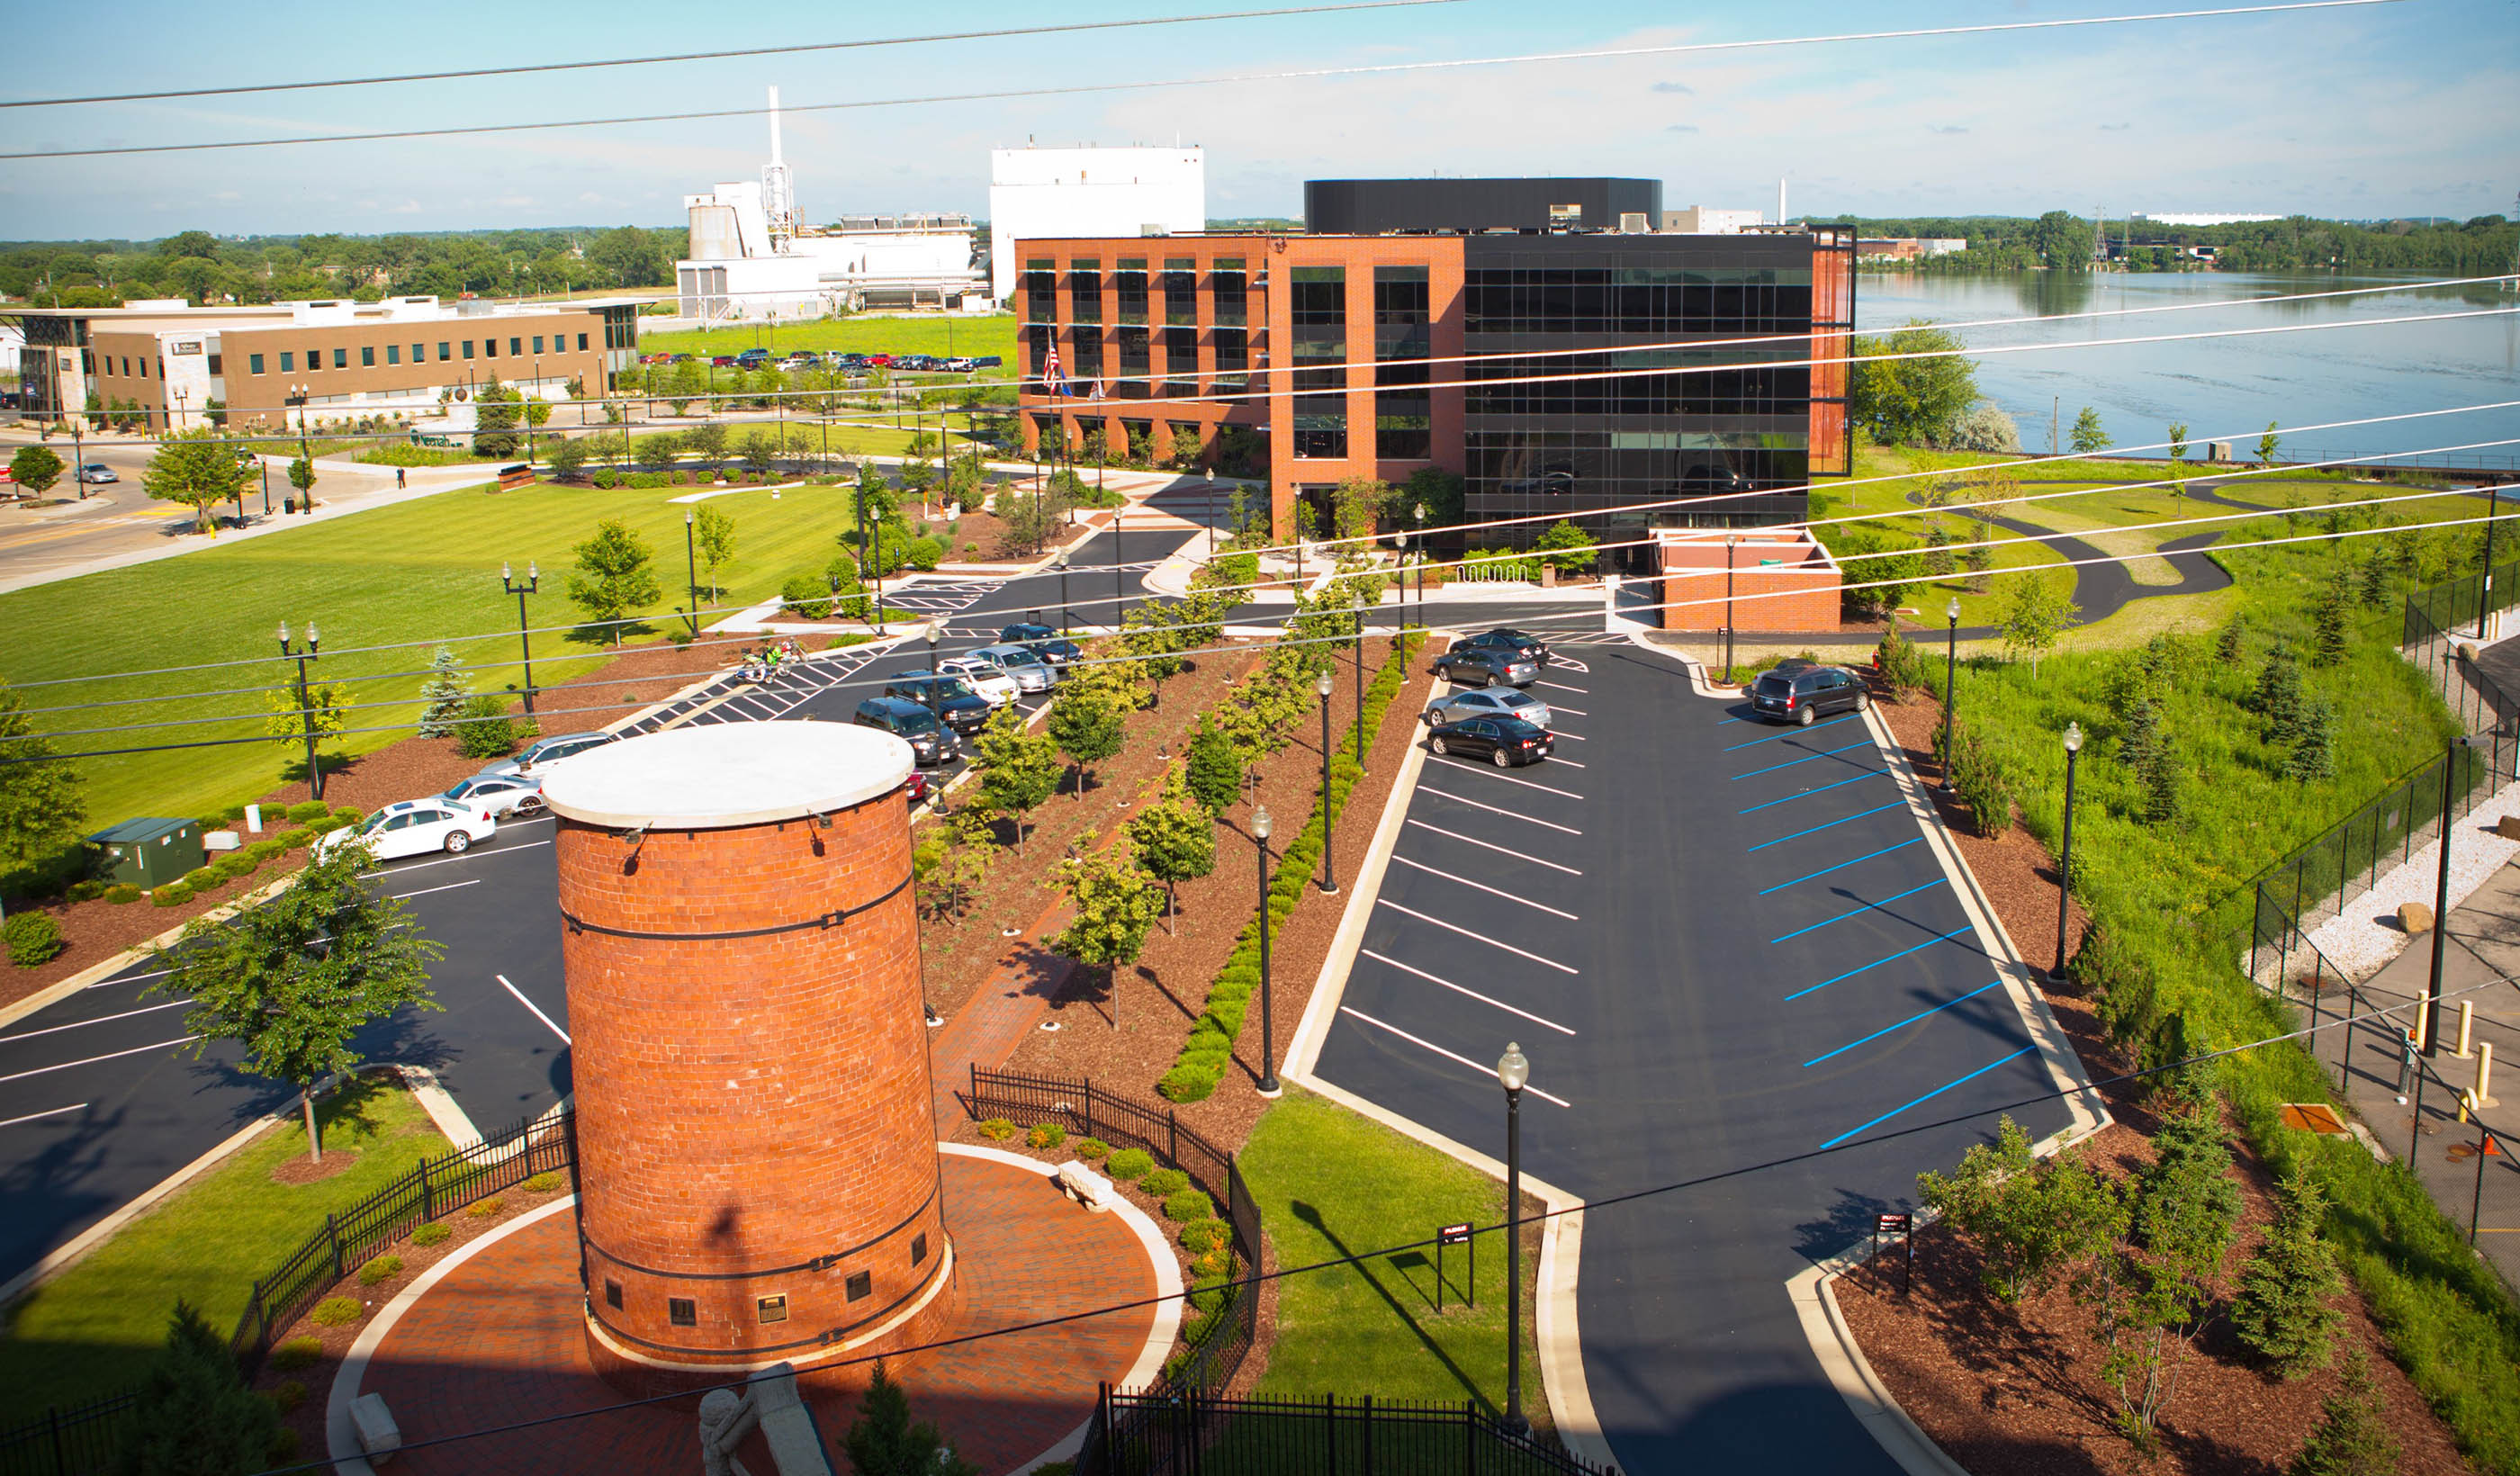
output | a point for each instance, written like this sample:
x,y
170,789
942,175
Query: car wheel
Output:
x,y
1803,715
1863,699
1437,745
458,842
1428,717
531,804
1503,760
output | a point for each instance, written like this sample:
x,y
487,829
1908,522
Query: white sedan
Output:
x,y
415,826
983,676
1488,703
501,795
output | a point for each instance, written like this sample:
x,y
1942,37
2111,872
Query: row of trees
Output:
x,y
202,269
2061,240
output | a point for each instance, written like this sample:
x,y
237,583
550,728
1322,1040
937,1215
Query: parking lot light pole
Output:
x,y
1951,666
1260,828
935,633
1513,1071
1359,668
2065,853
306,702
1058,561
1329,870
692,568
1731,544
525,630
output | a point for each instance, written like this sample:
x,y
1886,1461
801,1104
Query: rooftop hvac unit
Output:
x,y
1632,223
1155,230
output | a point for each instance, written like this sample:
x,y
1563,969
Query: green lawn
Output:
x,y
1332,1183
424,570
943,335
92,1331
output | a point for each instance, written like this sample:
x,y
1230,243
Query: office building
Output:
x,y
1703,220
1564,380
1037,194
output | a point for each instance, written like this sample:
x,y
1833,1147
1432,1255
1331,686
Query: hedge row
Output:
x,y
1209,1050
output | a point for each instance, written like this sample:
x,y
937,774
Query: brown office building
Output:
x,y
318,362
1571,388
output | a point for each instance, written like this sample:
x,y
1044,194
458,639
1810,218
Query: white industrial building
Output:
x,y
750,259
1705,220
2204,218
1046,193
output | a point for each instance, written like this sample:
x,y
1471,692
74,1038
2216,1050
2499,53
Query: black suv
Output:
x,y
1521,643
1043,640
1799,692
1504,742
1487,666
929,744
963,710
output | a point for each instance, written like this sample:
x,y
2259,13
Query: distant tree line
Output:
x,y
2062,241
203,269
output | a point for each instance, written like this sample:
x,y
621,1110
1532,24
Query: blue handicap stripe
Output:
x,y
1929,1096
1903,1024
1841,866
1877,962
1833,825
1861,910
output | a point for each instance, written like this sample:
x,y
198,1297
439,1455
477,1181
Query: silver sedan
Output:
x,y
1030,672
1487,702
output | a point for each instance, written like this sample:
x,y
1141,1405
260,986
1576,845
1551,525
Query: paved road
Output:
x,y
1725,946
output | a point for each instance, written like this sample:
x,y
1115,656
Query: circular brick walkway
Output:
x,y
497,1340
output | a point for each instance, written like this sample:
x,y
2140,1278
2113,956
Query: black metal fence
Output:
x,y
71,1439
1175,1432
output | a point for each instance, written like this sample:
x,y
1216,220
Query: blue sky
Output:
x,y
2397,108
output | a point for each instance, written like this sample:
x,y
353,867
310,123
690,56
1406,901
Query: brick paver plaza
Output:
x,y
500,1340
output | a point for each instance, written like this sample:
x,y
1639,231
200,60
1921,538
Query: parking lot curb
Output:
x,y
1851,1374
99,972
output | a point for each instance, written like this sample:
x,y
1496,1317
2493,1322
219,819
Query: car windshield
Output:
x,y
376,822
917,720
953,686
1021,658
981,668
468,788
1518,700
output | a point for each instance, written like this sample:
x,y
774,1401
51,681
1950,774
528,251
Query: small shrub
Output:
x,y
1091,1149
483,1209
1129,1163
431,1234
382,1268
546,1182
337,1312
236,865
121,892
287,1395
284,1446
32,939
306,810
296,1353
85,891
173,894
1048,1135
291,839
484,730
997,1129
1202,1236
265,850
202,878
1164,1183
1188,1205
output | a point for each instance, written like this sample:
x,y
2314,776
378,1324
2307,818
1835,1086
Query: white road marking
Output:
x,y
155,974
11,1122
1565,762
29,1035
93,1059
1569,663
1500,850
1493,810
1477,937
1507,778
1556,707
1560,687
1563,732
1484,887
425,891
422,866
536,1009
1489,1072
1473,992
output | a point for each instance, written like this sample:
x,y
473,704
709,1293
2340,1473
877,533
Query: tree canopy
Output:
x,y
198,469
1911,402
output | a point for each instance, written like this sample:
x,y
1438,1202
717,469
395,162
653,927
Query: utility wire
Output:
x,y
711,56
1308,73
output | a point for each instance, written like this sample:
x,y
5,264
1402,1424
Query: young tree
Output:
x,y
1938,551
2178,458
198,469
325,713
2087,436
2228,642
659,452
2036,617
2313,743
194,1416
1910,401
612,577
1215,772
760,454
442,696
293,980
35,468
1979,556
1085,721
684,385
2352,1438
884,1441
708,438
1566,548
1117,901
2031,1219
2152,1295
302,475
41,800
2267,445
1019,770
2328,620
713,533
2278,696
494,419
1174,841
568,458
2283,1311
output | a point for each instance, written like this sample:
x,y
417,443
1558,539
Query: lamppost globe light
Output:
x,y
1321,683
1513,1068
311,636
1952,611
284,635
533,573
507,575
2073,738
688,516
935,630
1261,822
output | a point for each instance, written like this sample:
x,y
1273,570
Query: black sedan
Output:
x,y
1043,640
1503,741
1518,642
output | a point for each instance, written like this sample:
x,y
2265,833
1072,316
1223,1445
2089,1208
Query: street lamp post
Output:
x,y
305,701
2485,579
1403,536
525,629
1420,514
2065,854
1330,869
935,633
1058,561
1260,828
1731,545
692,568
1118,590
1950,668
1358,666
1513,1071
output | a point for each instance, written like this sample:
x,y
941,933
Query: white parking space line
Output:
x,y
1507,778
425,891
1484,887
536,1009
1563,732
1500,850
1566,763
155,974
93,1059
1519,953
1493,810
1560,687
1569,664
11,1122
29,1035
422,866
1562,707
1458,989
1487,1072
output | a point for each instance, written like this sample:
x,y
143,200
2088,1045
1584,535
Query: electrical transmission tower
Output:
x,y
2099,236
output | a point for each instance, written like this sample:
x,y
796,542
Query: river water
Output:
x,y
2227,388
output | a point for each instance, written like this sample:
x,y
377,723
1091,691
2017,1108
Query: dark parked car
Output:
x,y
1487,666
1503,741
1042,640
988,361
722,361
963,710
929,743
1521,643
917,788
1802,693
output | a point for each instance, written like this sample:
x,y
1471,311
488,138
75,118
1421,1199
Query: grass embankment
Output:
x,y
423,571
93,1329
1332,1183
2173,901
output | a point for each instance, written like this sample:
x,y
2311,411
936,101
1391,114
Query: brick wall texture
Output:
x,y
1799,592
749,1105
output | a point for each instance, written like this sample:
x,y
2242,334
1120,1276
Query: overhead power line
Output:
x,y
711,56
1299,74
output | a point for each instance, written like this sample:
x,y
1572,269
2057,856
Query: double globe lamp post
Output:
x,y
525,630
1330,872
1951,669
1513,1071
1261,826
2065,852
305,701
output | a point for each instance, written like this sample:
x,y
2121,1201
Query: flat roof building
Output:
x,y
1554,370
1037,194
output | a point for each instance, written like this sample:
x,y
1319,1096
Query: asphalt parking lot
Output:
x,y
1726,948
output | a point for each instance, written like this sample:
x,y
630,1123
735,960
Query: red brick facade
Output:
x,y
755,1116
1777,581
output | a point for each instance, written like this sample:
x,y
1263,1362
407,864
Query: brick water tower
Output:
x,y
756,1148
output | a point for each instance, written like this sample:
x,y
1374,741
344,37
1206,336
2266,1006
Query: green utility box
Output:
x,y
151,853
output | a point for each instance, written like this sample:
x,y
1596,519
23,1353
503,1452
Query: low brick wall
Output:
x,y
1774,581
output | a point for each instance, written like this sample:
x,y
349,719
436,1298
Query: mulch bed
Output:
x,y
2016,1390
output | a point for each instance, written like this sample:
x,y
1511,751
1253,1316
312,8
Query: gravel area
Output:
x,y
2367,936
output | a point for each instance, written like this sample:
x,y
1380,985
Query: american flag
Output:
x,y
1097,391
1049,370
